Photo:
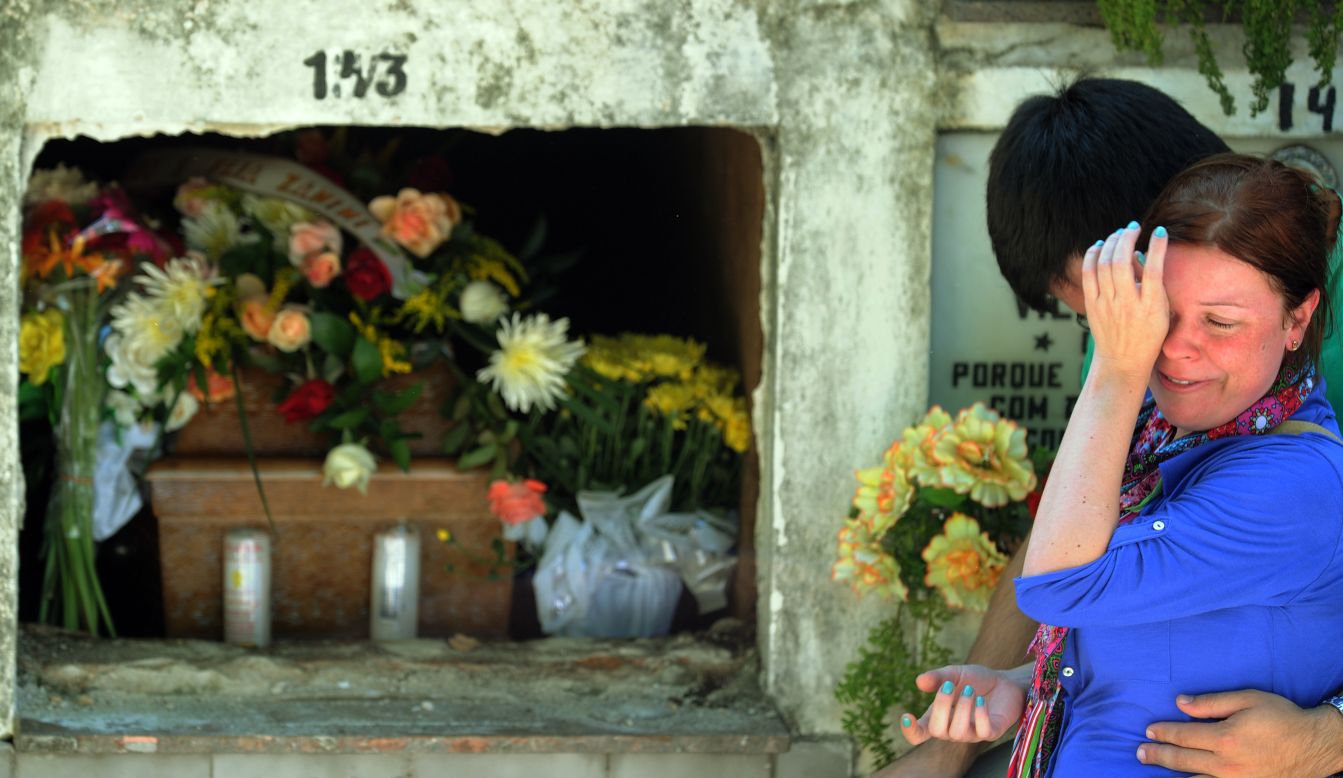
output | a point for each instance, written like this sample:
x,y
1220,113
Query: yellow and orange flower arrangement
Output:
x,y
919,518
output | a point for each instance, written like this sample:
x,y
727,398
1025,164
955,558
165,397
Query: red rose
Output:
x,y
307,400
365,275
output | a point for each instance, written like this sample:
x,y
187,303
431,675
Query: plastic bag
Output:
x,y
597,577
116,495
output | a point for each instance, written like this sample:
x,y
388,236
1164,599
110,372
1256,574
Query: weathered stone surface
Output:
x,y
561,695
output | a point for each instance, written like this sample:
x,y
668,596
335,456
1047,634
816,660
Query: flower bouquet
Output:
x,y
636,442
930,527
335,321
80,240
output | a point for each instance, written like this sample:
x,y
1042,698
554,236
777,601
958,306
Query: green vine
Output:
x,y
1133,26
881,680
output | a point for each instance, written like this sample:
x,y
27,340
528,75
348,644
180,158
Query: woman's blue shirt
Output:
x,y
1230,578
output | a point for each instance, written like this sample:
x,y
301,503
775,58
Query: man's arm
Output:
x,y
1262,735
1003,638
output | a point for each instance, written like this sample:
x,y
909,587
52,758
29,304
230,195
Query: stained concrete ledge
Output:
x,y
685,694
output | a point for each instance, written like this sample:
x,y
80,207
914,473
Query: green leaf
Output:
x,y
461,407
252,257
637,449
942,498
400,451
477,457
456,438
510,431
349,419
333,334
268,362
392,403
590,416
32,402
367,362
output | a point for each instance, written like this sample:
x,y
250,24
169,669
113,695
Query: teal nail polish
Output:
x,y
1159,232
979,701
968,692
1141,257
947,687
1099,243
905,722
1132,226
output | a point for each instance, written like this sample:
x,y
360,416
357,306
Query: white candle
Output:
x,y
247,587
395,607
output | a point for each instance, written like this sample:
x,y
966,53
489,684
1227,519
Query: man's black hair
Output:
x,y
1071,168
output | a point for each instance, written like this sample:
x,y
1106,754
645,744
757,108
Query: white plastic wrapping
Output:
x,y
618,572
116,495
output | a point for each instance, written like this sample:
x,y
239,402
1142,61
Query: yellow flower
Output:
x,y
864,565
444,536
884,492
284,281
611,358
920,446
672,400
486,269
665,355
963,564
367,331
393,354
985,456
41,344
712,380
737,433
209,342
428,308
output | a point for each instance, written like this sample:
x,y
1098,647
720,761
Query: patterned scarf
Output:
x,y
1154,442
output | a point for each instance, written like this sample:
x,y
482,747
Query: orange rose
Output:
x,y
420,222
309,237
256,318
320,267
515,503
218,387
290,331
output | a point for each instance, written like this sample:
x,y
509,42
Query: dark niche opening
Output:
x,y
668,225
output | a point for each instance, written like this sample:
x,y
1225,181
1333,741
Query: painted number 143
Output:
x,y
348,71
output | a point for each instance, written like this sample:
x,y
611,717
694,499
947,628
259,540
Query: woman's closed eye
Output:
x,y
1220,324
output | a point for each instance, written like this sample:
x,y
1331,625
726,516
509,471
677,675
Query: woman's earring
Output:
x,y
1294,345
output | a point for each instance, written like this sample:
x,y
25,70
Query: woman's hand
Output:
x,y
1128,318
973,703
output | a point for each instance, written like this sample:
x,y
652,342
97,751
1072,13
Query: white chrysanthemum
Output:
x,y
142,335
276,215
532,360
129,369
483,302
62,183
125,408
183,411
179,289
214,231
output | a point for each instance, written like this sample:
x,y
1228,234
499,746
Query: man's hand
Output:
x,y
1261,735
